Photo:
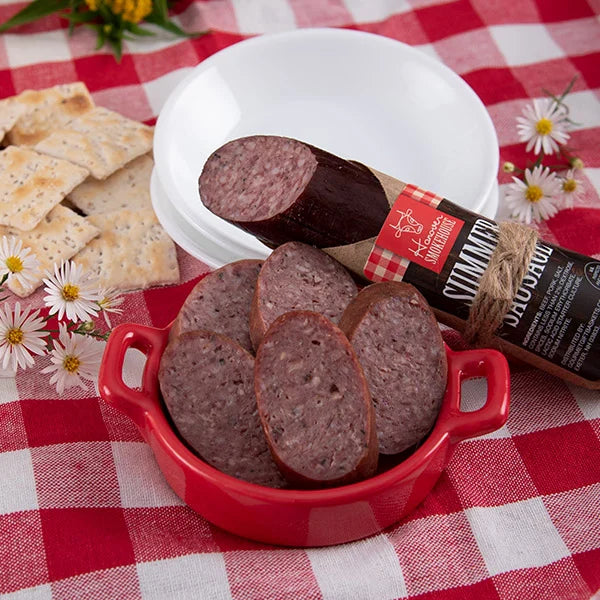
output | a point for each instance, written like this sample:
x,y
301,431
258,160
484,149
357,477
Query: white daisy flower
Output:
x,y
74,357
535,198
70,293
20,337
543,125
109,302
571,188
17,261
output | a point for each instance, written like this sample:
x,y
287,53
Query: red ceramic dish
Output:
x,y
300,517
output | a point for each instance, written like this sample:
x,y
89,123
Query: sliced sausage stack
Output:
x,y
339,376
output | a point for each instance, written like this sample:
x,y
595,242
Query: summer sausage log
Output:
x,y
207,383
400,348
221,302
279,189
299,277
314,402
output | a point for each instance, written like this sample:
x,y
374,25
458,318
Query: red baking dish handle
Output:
x,y
493,414
133,402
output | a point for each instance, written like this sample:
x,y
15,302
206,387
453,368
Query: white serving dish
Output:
x,y
361,96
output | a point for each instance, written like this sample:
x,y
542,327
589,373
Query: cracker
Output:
x,y
10,111
32,184
47,110
59,236
129,188
102,141
133,251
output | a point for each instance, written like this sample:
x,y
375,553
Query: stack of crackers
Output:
x,y
74,184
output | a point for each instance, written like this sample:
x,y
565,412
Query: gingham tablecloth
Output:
x,y
84,510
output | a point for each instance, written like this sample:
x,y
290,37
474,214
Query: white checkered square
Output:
x,y
364,569
525,44
141,482
516,536
593,174
39,592
263,16
587,400
29,49
17,492
185,578
375,10
584,108
8,390
158,90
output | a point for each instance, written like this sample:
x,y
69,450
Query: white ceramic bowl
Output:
x,y
361,96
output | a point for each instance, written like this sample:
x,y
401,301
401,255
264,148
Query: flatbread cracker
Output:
x,y
32,184
47,110
101,141
59,236
10,111
129,188
132,252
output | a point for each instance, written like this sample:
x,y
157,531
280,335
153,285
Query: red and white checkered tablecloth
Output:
x,y
84,510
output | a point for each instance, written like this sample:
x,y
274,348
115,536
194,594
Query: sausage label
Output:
x,y
414,231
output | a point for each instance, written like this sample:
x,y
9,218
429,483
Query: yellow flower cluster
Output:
x,y
130,10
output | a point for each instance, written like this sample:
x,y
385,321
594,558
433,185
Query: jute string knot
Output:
x,y
500,282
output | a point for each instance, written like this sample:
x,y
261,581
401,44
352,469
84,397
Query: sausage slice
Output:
x,y
314,402
221,302
280,189
400,347
299,277
207,383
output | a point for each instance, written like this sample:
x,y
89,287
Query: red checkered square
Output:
x,y
483,590
404,27
120,583
210,15
96,71
469,51
555,76
438,552
497,13
63,421
12,429
551,468
577,229
550,10
214,41
588,67
22,557
504,115
495,85
80,540
79,474
44,75
449,19
575,515
530,408
164,302
314,13
130,101
167,531
251,575
151,65
383,265
6,84
557,580
489,473
587,565
582,38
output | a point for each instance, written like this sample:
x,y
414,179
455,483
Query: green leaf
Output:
x,y
79,17
117,47
33,11
160,11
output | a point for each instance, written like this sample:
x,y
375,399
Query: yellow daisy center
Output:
x,y
544,126
71,363
70,292
14,264
534,193
569,185
14,336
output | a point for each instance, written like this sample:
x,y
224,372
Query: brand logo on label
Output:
x,y
419,233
